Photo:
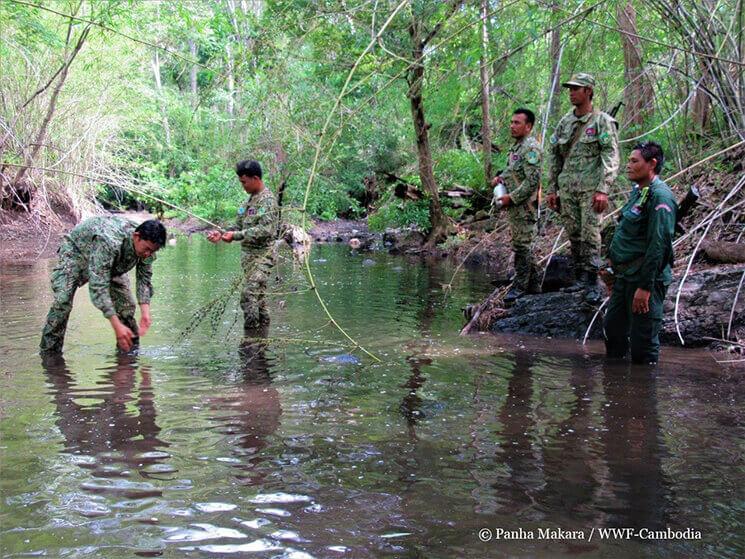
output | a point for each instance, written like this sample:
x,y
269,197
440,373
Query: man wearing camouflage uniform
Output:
x,y
522,179
256,229
583,163
100,251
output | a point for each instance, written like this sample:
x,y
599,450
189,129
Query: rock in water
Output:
x,y
704,311
341,359
564,315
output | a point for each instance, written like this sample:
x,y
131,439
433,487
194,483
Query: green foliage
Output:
x,y
399,213
459,168
268,77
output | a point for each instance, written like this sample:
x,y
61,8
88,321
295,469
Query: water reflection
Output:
x,y
253,411
633,448
572,466
113,423
588,452
524,474
411,405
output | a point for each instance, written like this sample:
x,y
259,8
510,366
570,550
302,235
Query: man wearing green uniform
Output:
x,y
641,256
256,229
522,179
100,251
583,163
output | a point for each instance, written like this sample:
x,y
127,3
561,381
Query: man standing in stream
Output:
x,y
641,259
255,228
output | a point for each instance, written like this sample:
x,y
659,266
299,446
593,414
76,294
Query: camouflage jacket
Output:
x,y
523,174
642,247
103,248
592,164
256,223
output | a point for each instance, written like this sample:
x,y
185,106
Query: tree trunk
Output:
x,y
485,113
439,221
638,94
724,252
41,135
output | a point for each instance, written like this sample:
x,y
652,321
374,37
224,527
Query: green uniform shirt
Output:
x,y
256,222
643,240
523,174
104,249
592,164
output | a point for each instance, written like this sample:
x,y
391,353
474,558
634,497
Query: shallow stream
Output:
x,y
213,448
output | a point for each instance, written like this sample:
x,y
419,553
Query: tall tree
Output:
x,y
420,38
638,93
484,74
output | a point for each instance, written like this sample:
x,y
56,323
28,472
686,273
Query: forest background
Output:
x,y
122,102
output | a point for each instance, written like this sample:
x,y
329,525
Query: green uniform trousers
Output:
x,y
257,269
621,326
66,277
582,226
524,229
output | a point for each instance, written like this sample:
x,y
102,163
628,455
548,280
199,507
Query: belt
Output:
x,y
626,266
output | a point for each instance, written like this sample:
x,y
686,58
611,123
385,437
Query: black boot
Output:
x,y
593,290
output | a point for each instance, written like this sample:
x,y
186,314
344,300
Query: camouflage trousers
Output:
x,y
524,229
69,274
582,226
257,268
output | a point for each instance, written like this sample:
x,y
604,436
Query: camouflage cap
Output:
x,y
582,80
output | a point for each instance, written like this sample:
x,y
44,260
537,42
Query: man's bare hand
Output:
x,y
599,202
497,180
640,304
214,236
227,237
123,334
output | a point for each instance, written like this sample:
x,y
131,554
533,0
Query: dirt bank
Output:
x,y
25,238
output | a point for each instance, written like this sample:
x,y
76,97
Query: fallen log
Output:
x,y
724,252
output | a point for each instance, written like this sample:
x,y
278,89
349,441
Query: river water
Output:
x,y
214,448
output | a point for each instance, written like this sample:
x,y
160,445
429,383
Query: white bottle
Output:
x,y
499,191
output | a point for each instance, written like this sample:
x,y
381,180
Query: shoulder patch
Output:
x,y
262,210
663,206
553,139
590,131
241,210
532,157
